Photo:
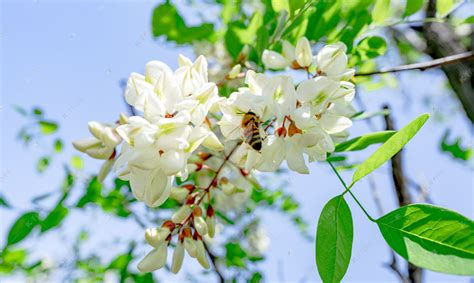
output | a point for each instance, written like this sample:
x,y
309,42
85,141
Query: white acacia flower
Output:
x,y
158,145
332,61
155,259
303,53
103,142
258,241
291,56
274,60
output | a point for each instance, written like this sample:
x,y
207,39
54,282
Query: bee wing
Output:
x,y
249,132
232,132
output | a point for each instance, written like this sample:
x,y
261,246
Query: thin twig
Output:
x,y
378,203
213,258
461,57
415,273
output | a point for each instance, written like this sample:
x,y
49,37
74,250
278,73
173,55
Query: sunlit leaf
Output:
x,y
280,5
431,237
371,47
334,237
469,20
412,6
77,162
48,127
235,255
362,142
42,164
22,227
54,218
444,7
455,148
37,111
58,145
381,11
4,202
166,21
393,145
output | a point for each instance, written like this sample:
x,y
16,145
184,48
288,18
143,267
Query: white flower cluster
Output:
x,y
268,121
306,120
158,144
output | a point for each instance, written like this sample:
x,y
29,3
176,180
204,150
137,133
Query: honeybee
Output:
x,y
250,123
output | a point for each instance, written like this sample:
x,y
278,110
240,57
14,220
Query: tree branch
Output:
x,y
213,258
448,60
415,273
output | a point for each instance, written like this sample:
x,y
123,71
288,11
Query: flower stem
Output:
x,y
348,190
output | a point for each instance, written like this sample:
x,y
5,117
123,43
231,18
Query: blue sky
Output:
x,y
68,58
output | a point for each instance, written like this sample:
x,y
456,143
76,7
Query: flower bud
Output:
x,y
210,221
273,60
155,259
281,132
178,256
110,137
199,223
100,152
227,188
105,169
332,60
179,194
288,51
189,243
123,119
156,236
97,129
234,72
201,253
181,214
84,144
304,55
204,155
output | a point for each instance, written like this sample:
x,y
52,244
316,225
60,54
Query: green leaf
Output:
x,y
235,255
14,256
256,277
469,20
371,47
37,111
389,148
444,7
412,7
280,5
48,127
239,34
431,237
4,202
167,22
77,162
22,227
58,145
381,11
362,142
334,237
42,164
54,218
93,193
455,148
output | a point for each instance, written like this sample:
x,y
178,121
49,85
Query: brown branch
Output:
x,y
415,273
444,61
378,203
213,258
